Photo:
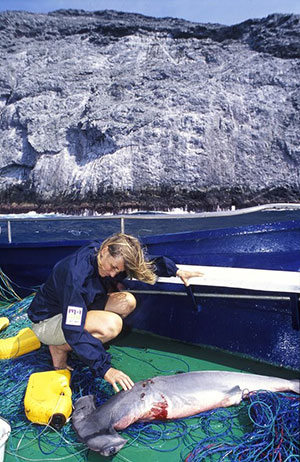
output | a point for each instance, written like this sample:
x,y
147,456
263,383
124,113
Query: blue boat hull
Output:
x,y
268,246
29,264
260,325
253,326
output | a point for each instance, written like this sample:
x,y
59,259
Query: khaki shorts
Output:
x,y
50,331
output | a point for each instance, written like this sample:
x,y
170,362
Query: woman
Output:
x,y
75,308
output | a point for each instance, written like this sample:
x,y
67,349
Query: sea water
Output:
x,y
33,227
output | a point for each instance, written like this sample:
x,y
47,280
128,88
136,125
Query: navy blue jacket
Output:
x,y
72,289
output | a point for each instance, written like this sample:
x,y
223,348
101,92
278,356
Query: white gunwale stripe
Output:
x,y
241,278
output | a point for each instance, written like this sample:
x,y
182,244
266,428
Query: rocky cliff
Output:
x,y
111,111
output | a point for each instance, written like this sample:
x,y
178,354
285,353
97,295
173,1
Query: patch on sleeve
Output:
x,y
74,315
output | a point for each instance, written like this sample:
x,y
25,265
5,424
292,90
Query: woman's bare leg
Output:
x,y
121,303
104,325
59,354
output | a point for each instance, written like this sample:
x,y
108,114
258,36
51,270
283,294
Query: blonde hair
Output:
x,y
129,247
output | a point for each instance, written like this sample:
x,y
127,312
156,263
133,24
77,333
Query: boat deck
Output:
x,y
230,318
142,356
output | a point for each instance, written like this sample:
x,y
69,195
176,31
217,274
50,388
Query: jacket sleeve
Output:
x,y
88,348
164,266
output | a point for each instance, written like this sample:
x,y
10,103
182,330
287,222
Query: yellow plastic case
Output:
x,y
4,322
48,398
24,342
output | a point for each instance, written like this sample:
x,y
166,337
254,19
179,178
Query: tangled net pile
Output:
x,y
263,428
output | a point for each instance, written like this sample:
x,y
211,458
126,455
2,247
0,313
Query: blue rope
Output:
x,y
7,293
264,427
145,351
273,434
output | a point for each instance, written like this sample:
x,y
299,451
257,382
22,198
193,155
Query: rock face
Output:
x,y
110,111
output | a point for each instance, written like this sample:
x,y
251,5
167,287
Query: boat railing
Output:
x,y
121,218
9,220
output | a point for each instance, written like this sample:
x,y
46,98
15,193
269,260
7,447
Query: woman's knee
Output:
x,y
102,325
113,326
131,302
121,303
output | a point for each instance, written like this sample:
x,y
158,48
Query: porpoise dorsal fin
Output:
x,y
233,397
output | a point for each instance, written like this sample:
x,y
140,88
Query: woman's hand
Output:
x,y
114,377
185,275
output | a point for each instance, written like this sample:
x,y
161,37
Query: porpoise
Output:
x,y
164,398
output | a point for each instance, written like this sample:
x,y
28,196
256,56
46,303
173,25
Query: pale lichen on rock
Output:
x,y
119,111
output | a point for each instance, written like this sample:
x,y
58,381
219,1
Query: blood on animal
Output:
x,y
159,411
148,381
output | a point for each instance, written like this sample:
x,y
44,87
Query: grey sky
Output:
x,y
214,11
